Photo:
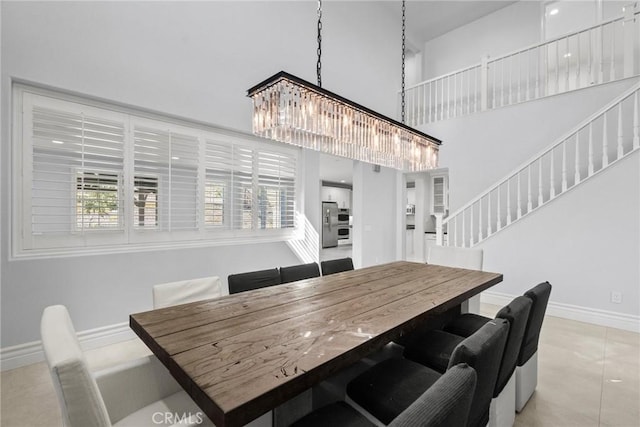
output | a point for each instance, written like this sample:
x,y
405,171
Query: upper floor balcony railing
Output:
x,y
602,53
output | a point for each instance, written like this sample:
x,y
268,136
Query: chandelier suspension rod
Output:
x,y
319,63
403,58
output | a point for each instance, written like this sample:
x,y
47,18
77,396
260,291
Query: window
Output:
x,y
98,201
98,175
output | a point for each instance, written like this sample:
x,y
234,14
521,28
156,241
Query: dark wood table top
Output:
x,y
242,355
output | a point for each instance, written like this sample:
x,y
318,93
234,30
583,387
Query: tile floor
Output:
x,y
588,376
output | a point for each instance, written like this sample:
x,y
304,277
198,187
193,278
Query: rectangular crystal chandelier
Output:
x,y
294,111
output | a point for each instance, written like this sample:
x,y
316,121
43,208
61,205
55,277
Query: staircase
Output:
x,y
605,138
603,53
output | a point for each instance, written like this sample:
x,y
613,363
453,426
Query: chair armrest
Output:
x,y
133,385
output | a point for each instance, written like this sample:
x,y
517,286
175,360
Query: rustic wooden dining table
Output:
x,y
242,355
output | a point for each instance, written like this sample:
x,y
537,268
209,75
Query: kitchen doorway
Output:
x,y
336,200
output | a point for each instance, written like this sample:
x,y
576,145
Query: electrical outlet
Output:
x,y
616,297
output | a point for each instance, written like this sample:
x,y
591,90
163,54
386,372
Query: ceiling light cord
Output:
x,y
319,64
403,106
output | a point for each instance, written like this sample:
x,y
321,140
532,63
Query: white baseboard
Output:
x,y
611,319
31,352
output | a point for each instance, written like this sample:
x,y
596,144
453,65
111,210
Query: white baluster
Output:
x,y
605,142
480,220
529,201
502,81
508,201
519,198
495,71
455,232
477,89
527,93
564,165
537,57
471,226
442,100
540,199
620,131
578,64
576,177
557,66
566,50
464,234
469,90
519,74
612,70
455,95
428,106
510,79
498,212
590,78
636,138
449,97
590,151
489,232
552,187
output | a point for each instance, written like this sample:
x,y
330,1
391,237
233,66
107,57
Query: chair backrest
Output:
x,y
483,352
336,265
450,256
445,404
253,280
78,394
182,292
517,314
299,272
539,295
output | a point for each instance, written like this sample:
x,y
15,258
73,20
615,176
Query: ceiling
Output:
x,y
428,19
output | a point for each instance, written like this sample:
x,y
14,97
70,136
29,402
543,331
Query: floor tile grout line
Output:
x,y
602,379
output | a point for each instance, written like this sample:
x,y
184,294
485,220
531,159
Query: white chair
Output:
x,y
450,256
137,393
185,291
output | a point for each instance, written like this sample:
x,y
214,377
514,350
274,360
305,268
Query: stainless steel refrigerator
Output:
x,y
329,224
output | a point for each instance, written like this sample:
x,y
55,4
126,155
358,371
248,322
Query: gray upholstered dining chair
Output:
x,y
336,266
185,291
445,404
527,369
129,394
299,272
388,388
253,280
502,410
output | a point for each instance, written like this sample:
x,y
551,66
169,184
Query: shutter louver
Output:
x,y
218,171
244,197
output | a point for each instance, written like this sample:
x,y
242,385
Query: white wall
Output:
x,y
377,215
190,59
510,28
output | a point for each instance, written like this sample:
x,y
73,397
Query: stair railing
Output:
x,y
602,53
603,139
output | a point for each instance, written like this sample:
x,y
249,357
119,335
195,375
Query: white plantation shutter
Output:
x,y
218,171
243,191
276,190
75,170
166,164
91,174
